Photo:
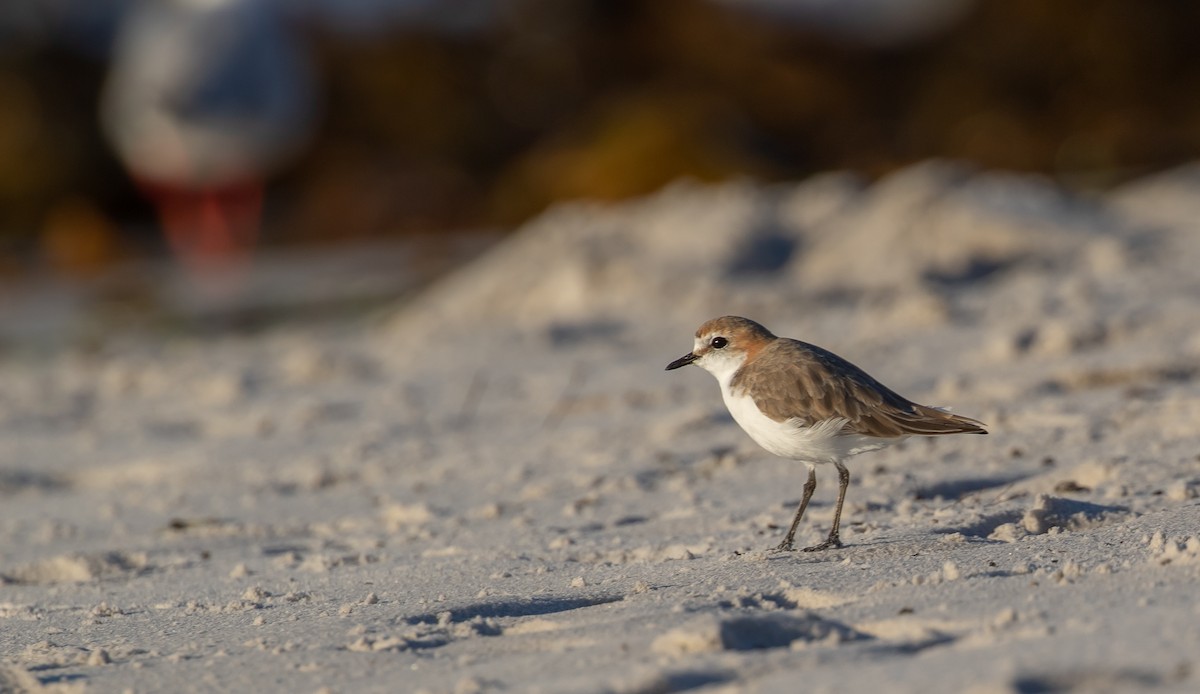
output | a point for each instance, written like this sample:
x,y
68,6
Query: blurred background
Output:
x,y
241,158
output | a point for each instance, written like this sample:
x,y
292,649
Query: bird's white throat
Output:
x,y
722,364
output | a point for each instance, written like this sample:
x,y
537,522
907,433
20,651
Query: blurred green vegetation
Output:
x,y
424,132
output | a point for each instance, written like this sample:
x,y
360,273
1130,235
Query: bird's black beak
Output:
x,y
682,361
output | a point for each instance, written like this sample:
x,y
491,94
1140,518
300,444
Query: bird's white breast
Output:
x,y
822,442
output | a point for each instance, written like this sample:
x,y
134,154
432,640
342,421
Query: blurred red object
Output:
x,y
212,231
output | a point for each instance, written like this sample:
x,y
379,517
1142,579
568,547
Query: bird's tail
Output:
x,y
935,421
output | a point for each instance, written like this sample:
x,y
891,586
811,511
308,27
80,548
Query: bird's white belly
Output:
x,y
819,443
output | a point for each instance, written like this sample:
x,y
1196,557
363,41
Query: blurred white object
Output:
x,y
204,93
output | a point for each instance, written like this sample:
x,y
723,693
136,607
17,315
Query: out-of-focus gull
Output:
x,y
204,100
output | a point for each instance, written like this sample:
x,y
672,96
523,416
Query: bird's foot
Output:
x,y
833,542
785,546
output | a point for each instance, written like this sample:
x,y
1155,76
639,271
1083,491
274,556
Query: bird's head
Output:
x,y
724,344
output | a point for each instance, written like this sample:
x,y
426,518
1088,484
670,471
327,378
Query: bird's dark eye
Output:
x,y
719,342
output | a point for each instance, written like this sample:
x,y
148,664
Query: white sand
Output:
x,y
497,487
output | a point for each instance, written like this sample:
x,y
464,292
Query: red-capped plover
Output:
x,y
805,403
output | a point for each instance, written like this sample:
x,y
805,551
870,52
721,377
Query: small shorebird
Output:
x,y
805,403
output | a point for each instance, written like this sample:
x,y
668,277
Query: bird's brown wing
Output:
x,y
793,379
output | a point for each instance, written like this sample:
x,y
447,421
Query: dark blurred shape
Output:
x,y
630,145
764,254
50,150
879,23
382,17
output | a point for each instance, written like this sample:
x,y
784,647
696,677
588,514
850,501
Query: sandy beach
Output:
x,y
495,486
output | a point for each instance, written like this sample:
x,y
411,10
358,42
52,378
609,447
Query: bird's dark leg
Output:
x,y
833,540
809,487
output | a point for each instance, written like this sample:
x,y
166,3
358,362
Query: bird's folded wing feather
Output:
x,y
804,382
